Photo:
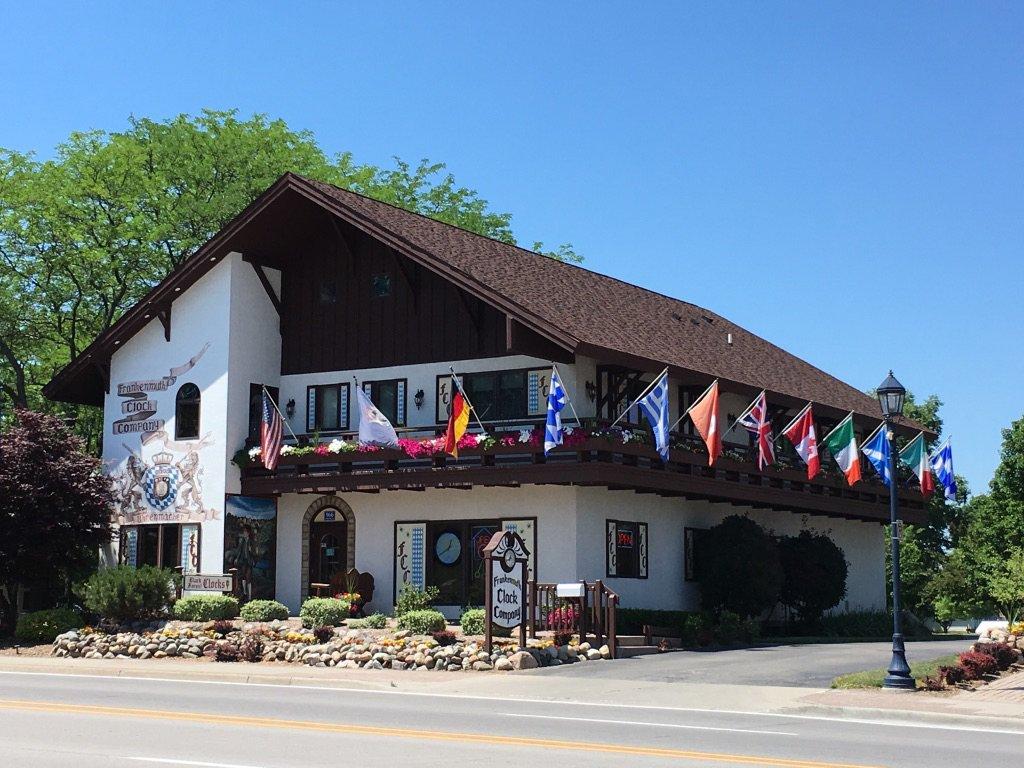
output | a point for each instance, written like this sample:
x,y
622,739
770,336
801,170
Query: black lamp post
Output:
x,y
890,396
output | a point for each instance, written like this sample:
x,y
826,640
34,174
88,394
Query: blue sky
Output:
x,y
844,179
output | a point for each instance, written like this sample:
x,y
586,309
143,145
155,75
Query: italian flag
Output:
x,y
915,456
842,444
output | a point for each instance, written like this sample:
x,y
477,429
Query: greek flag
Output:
x,y
942,465
655,407
877,451
556,402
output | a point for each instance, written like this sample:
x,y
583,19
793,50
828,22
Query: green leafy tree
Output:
x,y
84,235
741,569
1006,587
814,575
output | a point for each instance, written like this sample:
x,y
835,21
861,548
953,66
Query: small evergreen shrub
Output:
x,y
413,599
323,612
814,574
264,610
206,607
44,626
129,594
422,622
951,675
472,621
323,634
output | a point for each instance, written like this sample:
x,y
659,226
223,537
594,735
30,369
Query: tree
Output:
x,y
740,570
814,575
1006,587
83,236
55,506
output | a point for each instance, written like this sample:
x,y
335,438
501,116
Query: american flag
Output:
x,y
756,422
270,433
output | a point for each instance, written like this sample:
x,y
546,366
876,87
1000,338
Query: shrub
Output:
x,y
976,665
375,621
422,622
44,626
226,651
413,599
223,627
472,621
206,607
631,621
251,649
952,675
323,634
814,572
264,610
323,611
1003,653
857,624
128,594
444,637
740,569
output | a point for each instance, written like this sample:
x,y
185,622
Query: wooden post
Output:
x,y
583,614
488,606
599,611
526,606
613,642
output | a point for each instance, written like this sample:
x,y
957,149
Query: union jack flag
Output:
x,y
756,422
270,433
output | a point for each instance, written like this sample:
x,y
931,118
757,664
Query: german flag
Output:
x,y
457,423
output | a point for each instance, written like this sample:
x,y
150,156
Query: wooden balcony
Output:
x,y
595,462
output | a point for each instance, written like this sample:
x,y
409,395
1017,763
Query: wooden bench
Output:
x,y
362,580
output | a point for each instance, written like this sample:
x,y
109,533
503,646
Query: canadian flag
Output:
x,y
803,437
704,414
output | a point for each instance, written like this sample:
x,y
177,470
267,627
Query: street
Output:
x,y
66,719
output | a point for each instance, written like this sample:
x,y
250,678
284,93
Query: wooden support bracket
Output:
x,y
165,320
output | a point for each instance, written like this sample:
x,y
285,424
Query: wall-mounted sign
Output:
x,y
138,409
207,582
506,574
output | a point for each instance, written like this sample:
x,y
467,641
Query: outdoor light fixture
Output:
x,y
290,408
891,395
591,391
418,398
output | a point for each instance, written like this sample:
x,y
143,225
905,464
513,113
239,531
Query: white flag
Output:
x,y
374,427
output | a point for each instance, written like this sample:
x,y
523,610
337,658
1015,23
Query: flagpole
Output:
x,y
941,448
874,432
640,397
703,395
749,409
837,426
569,399
798,416
283,419
466,398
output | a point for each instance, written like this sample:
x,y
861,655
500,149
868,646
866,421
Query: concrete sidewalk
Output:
x,y
999,705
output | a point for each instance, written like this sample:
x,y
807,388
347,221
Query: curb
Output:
x,y
908,716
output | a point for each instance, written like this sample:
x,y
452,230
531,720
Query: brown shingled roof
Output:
x,y
585,311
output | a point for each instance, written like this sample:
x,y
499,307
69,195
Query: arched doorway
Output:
x,y
328,542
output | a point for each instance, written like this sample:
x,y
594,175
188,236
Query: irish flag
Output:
x,y
842,444
457,423
915,456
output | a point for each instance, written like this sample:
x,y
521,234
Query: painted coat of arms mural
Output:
x,y
162,479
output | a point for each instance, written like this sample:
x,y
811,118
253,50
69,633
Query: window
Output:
x,y
186,413
692,539
497,395
327,408
686,397
380,285
626,551
256,409
389,397
160,546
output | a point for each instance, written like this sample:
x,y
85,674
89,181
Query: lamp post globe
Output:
x,y
891,397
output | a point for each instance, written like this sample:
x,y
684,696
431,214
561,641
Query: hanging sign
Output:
x,y
506,558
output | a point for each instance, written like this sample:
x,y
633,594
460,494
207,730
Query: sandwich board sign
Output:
x,y
505,564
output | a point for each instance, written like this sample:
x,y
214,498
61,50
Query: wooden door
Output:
x,y
328,551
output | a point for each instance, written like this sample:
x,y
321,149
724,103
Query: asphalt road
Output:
x,y
799,666
93,722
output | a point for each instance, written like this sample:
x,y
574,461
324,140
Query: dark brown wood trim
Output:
x,y
164,315
265,282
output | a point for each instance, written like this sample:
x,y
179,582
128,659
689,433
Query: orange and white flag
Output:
x,y
704,414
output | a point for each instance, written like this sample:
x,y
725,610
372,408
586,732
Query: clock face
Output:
x,y
448,548
510,559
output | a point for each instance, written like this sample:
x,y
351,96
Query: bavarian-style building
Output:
x,y
313,290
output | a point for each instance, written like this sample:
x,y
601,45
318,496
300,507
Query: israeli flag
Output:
x,y
556,402
942,465
877,451
655,407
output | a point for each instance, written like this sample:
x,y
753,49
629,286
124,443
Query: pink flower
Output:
x,y
321,450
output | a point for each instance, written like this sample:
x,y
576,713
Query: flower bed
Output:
x,y
282,642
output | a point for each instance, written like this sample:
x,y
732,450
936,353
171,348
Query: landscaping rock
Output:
x,y
523,660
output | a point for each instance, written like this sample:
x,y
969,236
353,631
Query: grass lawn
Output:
x,y
873,678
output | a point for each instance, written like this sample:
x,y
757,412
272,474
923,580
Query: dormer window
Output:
x,y
186,412
380,285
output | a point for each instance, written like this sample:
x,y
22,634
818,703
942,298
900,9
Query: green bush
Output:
x,y
376,621
472,621
857,624
422,622
206,608
814,575
128,594
44,626
264,610
741,570
413,599
324,612
631,621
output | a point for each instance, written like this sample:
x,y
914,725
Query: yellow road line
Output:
x,y
409,733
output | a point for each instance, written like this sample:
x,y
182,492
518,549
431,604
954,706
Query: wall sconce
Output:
x,y
591,391
290,408
418,398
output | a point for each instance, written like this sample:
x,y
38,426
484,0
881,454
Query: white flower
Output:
x,y
254,452
287,449
524,435
568,430
335,446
